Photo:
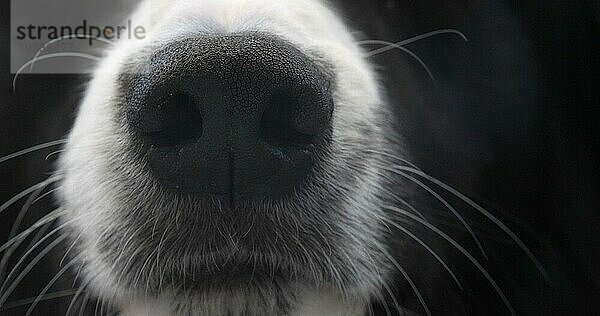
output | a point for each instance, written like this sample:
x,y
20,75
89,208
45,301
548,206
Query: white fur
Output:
x,y
91,197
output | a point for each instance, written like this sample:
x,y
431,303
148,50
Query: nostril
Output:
x,y
277,125
180,121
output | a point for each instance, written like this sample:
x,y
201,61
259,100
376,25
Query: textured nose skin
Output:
x,y
236,116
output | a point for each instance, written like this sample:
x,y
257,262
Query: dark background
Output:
x,y
513,122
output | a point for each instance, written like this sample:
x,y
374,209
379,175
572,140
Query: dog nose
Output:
x,y
236,116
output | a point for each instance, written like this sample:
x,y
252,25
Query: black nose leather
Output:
x,y
237,116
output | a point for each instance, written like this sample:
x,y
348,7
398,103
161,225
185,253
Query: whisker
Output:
x,y
33,248
38,235
456,245
407,277
45,195
15,227
391,155
28,191
52,216
383,283
34,261
415,170
97,305
50,284
47,297
29,267
428,248
402,48
387,288
411,208
77,294
56,152
50,56
33,149
69,249
447,205
108,302
390,192
381,299
84,303
487,214
78,273
434,33
400,45
104,304
71,36
418,38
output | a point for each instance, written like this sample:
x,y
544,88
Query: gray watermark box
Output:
x,y
67,36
